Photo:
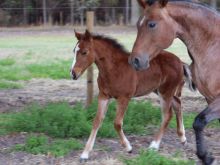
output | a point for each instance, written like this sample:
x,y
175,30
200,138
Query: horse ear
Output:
x,y
142,3
88,35
78,35
163,3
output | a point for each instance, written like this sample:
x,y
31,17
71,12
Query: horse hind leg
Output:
x,y
211,113
122,104
176,105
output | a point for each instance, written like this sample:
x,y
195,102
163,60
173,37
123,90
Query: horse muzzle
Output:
x,y
139,62
74,75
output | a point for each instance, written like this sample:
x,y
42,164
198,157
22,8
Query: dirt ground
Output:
x,y
107,151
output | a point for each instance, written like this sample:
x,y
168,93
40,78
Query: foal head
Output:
x,y
156,31
83,54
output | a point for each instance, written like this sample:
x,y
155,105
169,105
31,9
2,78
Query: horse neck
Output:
x,y
198,26
107,58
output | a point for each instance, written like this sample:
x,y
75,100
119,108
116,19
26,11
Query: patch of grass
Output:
x,y
9,85
62,121
41,145
13,73
153,158
58,70
7,62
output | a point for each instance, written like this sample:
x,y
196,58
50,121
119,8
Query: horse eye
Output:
x,y
84,53
152,24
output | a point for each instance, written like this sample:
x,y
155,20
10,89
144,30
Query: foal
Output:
x,y
117,79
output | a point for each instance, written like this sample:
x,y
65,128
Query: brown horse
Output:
x,y
117,79
198,26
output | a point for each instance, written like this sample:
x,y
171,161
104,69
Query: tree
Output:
x,y
214,3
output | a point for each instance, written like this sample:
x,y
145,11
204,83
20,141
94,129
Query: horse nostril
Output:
x,y
73,75
136,63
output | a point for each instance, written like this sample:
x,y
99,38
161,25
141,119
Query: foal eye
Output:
x,y
84,53
151,24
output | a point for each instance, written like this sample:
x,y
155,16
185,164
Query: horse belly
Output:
x,y
147,83
207,82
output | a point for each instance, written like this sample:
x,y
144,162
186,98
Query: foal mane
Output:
x,y
111,41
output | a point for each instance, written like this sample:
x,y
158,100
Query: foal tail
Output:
x,y
188,77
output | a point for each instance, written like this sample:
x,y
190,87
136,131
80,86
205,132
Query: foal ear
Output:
x,y
142,3
78,35
88,35
163,3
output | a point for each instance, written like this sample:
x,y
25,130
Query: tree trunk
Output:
x,y
214,3
127,12
25,12
135,10
44,12
72,12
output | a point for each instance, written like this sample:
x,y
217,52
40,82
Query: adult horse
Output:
x,y
117,79
198,26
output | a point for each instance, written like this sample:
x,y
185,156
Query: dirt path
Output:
x,y
107,151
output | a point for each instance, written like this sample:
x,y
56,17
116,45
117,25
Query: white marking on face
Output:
x,y
142,20
76,49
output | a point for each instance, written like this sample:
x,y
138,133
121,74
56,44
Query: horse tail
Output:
x,y
188,77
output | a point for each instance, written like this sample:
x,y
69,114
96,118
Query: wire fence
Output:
x,y
63,16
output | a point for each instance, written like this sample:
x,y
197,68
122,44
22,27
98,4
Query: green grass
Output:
x,y
58,70
40,144
154,158
7,62
60,120
9,85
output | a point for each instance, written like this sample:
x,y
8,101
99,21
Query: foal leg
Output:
x,y
122,104
212,112
166,117
102,108
176,104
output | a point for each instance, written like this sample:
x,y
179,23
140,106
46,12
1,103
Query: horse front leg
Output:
x,y
166,117
211,113
122,104
102,108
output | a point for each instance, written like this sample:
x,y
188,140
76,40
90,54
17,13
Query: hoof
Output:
x,y
83,160
184,143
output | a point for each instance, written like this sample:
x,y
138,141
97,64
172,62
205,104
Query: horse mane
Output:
x,y
151,2
111,41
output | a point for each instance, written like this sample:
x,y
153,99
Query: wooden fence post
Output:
x,y
90,26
